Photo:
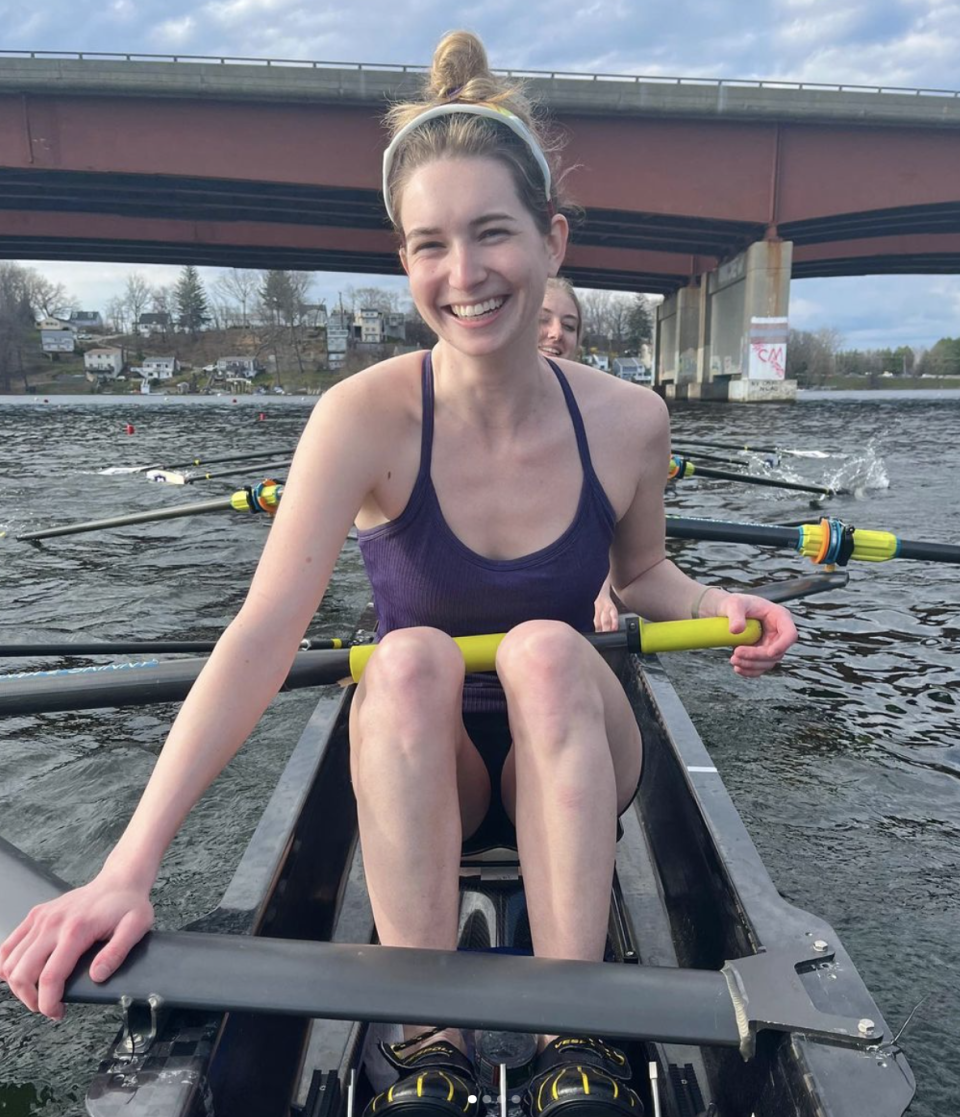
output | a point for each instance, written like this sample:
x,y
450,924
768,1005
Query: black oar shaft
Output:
x,y
143,684
728,445
138,647
379,983
106,647
870,546
220,505
258,466
725,531
753,479
250,455
683,451
931,552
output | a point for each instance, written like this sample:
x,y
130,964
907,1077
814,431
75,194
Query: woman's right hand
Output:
x,y
39,956
606,615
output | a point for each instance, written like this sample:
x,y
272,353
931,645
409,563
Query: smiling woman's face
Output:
x,y
559,325
476,260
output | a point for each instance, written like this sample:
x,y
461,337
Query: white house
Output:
x,y
630,368
314,316
159,368
237,366
106,362
57,341
153,323
395,327
370,324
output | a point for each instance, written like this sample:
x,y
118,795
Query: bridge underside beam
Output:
x,y
39,235
919,254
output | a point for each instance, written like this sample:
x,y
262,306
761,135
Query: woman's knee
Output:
x,y
548,665
407,708
412,662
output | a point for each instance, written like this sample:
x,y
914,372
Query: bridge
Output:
x,y
712,193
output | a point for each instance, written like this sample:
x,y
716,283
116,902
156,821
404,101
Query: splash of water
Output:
x,y
861,472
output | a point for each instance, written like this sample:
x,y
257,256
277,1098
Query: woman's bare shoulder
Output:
x,y
384,392
607,397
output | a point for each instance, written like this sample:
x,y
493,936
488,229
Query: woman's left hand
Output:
x,y
779,632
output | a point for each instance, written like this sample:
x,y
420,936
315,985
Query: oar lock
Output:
x,y
837,542
264,497
679,467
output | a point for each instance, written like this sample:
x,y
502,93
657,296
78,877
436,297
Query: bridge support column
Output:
x,y
744,339
678,343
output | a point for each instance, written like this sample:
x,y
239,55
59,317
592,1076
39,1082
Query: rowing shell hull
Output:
x,y
690,891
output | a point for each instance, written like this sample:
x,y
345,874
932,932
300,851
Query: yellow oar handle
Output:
x,y
681,636
480,652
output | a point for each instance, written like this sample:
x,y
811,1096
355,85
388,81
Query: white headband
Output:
x,y
503,116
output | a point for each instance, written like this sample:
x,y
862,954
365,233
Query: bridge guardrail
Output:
x,y
543,75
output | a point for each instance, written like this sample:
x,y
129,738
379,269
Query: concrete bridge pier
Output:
x,y
726,337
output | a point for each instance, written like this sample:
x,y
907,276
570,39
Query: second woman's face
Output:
x,y
559,325
477,262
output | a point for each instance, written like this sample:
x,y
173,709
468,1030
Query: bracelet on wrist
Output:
x,y
695,610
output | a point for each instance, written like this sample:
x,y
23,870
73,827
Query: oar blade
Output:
x,y
793,589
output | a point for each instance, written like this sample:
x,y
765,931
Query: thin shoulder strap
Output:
x,y
426,430
576,418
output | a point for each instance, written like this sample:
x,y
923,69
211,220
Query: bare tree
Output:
x,y
241,285
46,297
374,298
606,318
116,315
163,300
137,296
618,319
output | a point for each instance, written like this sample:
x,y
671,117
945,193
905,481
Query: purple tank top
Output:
x,y
422,574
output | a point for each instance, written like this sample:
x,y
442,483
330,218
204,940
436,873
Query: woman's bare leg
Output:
x,y
420,785
574,765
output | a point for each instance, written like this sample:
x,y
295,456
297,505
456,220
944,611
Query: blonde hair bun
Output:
x,y
460,70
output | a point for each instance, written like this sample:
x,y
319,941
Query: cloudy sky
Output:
x,y
912,43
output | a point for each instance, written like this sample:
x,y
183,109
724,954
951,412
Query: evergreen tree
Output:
x,y
639,329
191,300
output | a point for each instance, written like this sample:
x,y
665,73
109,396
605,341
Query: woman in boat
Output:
x,y
492,491
561,331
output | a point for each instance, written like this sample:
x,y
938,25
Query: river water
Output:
x,y
845,764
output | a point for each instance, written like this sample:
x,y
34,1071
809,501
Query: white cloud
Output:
x,y
175,32
804,312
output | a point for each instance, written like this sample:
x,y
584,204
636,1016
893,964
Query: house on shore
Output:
x,y
631,368
106,363
159,368
157,322
57,340
232,367
85,320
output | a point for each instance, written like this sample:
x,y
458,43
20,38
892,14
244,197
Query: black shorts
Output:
x,y
490,733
